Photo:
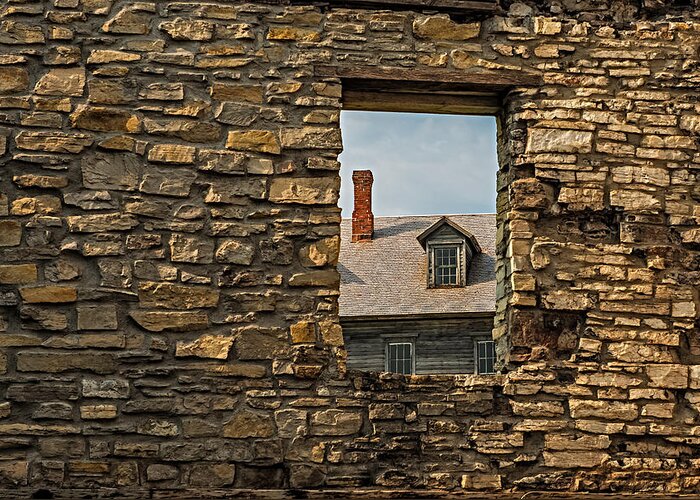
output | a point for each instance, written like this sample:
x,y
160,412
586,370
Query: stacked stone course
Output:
x,y
169,238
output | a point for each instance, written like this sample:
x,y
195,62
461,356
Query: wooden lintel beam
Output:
x,y
358,100
492,80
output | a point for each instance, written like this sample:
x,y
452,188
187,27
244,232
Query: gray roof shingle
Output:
x,y
388,275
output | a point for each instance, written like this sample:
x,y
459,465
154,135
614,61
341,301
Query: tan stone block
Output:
x,y
668,376
537,408
98,412
10,233
579,198
574,459
481,482
62,82
658,410
176,321
441,27
104,56
188,29
101,119
335,422
320,253
246,424
18,274
311,138
97,317
53,294
18,33
174,296
683,310
290,33
303,332
56,362
567,300
163,92
331,333
99,223
262,141
53,142
237,93
329,279
13,79
235,252
43,205
543,140
305,190
128,21
172,153
193,249
611,410
206,346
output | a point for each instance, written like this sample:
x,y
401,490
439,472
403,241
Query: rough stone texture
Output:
x,y
169,237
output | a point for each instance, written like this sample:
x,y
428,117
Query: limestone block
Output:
x,y
567,300
238,93
110,388
129,21
206,346
291,423
176,321
53,142
574,459
315,278
188,29
537,408
543,140
43,205
99,223
320,253
610,410
97,317
173,296
10,233
247,424
62,82
303,332
98,412
172,182
18,33
102,119
52,294
211,475
335,422
262,141
161,472
171,153
38,318
305,190
13,79
441,27
163,92
111,171
18,274
193,249
311,138
668,376
56,362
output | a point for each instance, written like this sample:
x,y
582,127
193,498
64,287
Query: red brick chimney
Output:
x,y
362,217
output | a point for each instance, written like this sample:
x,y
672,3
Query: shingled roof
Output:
x,y
387,276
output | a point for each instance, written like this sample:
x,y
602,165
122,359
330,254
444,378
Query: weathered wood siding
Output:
x,y
442,345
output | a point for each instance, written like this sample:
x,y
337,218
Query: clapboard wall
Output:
x,y
442,344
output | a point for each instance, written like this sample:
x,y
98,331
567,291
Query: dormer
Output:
x,y
450,250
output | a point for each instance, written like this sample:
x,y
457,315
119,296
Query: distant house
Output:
x,y
417,293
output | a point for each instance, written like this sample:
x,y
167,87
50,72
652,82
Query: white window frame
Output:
x,y
478,357
432,278
400,342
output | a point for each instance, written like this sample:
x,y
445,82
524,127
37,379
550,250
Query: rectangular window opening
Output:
x,y
418,236
400,358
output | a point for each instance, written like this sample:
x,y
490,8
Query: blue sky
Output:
x,y
422,164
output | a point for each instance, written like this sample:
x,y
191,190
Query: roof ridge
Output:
x,y
426,215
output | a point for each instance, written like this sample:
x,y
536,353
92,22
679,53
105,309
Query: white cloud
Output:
x,y
422,164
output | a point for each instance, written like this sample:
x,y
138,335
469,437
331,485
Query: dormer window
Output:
x,y
449,249
446,260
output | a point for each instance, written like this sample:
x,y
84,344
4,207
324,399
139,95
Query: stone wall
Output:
x,y
169,235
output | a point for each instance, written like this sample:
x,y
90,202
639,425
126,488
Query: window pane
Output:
x,y
485,356
400,358
445,264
